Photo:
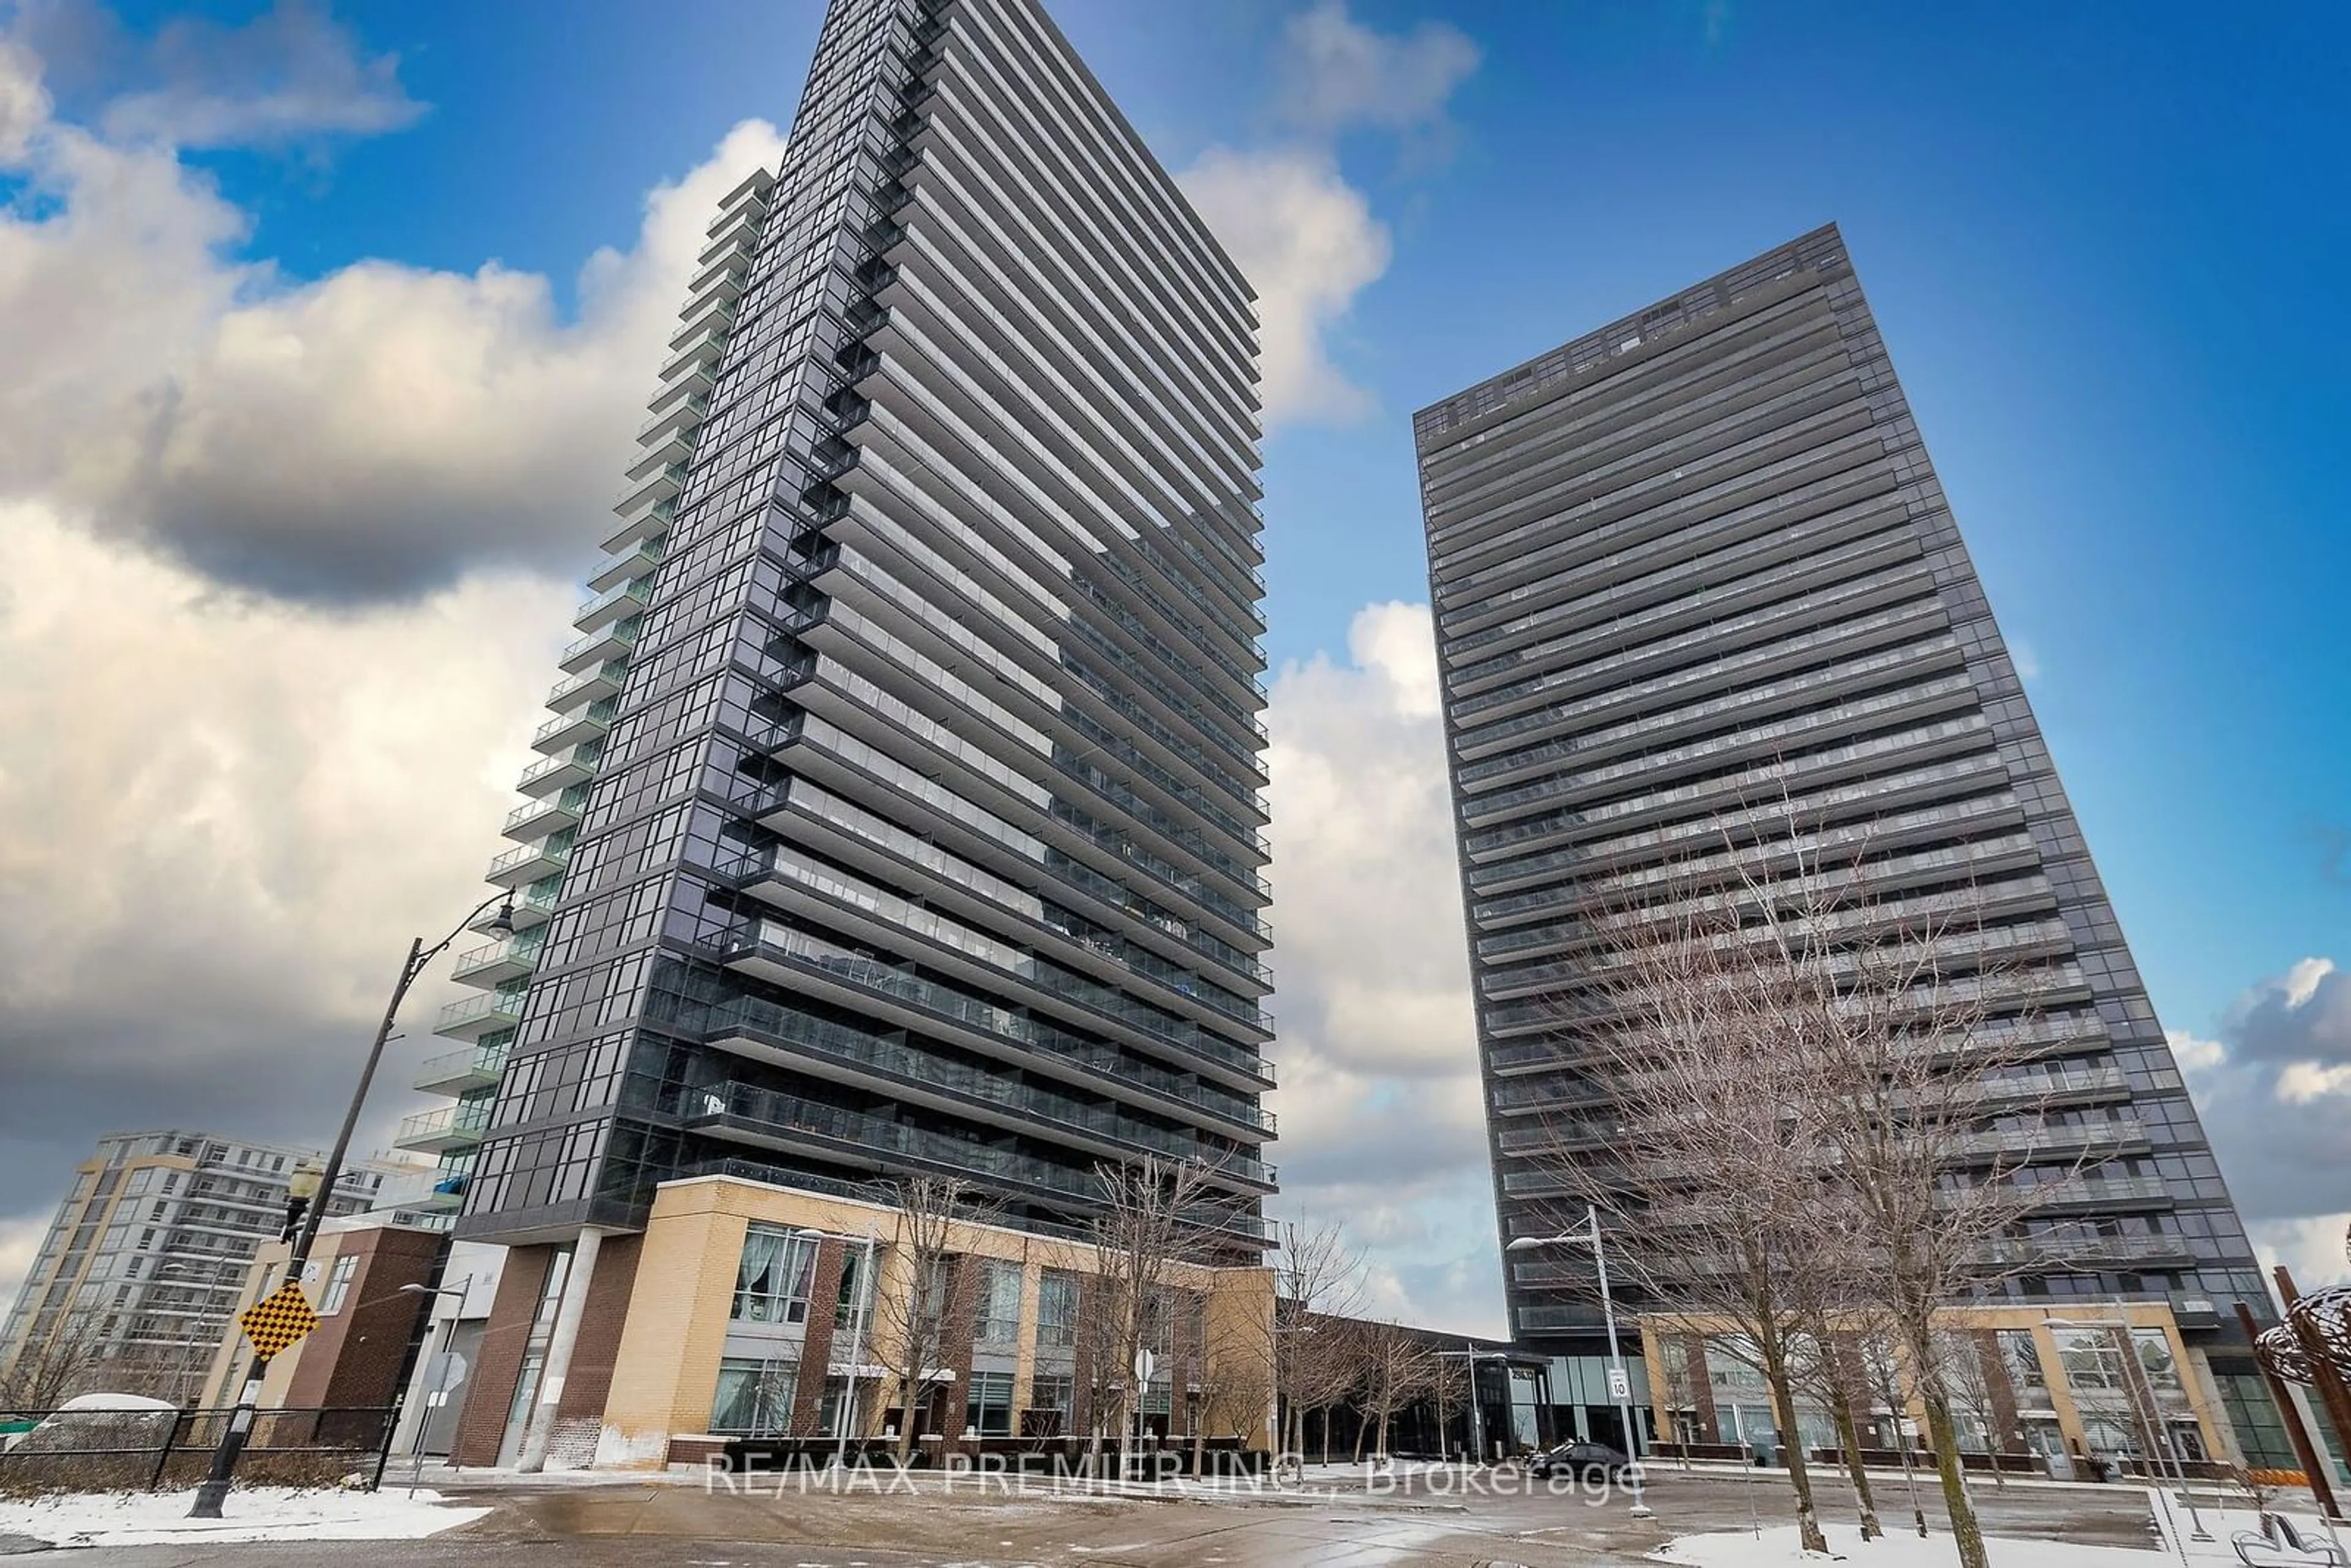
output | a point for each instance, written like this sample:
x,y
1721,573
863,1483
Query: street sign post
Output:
x,y
1146,1364
278,1322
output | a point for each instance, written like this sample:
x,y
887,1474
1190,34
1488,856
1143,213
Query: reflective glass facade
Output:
x,y
901,810
1699,557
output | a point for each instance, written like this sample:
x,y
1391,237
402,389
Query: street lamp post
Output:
x,y
1617,1374
1470,1356
215,1486
1296,1417
866,1285
440,1383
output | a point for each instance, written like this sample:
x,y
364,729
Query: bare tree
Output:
x,y
1398,1367
1233,1379
1828,1293
1323,1366
1917,1035
44,1372
1967,1377
1158,1215
1316,1276
1696,1151
910,1317
1881,1362
1673,1367
1823,1372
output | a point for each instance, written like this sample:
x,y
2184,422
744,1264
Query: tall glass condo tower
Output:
x,y
901,807
1695,567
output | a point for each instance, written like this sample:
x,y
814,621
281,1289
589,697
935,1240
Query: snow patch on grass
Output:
x,y
251,1513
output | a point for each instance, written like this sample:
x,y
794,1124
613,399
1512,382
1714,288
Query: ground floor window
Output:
x,y
829,1421
1052,1406
988,1409
755,1396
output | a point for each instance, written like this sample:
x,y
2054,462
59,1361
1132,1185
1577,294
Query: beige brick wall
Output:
x,y
665,1373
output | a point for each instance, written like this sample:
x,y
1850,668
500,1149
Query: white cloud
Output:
x,y
289,75
1301,233
2312,1249
2192,1054
371,436
1382,1126
241,764
1308,242
2273,1092
243,810
1337,74
24,102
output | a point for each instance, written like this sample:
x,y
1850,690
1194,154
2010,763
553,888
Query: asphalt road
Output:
x,y
1430,1522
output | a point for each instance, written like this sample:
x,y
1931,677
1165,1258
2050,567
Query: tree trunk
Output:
x,y
1791,1444
909,1402
1966,1533
1849,1440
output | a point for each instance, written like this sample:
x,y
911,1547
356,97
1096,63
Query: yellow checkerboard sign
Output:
x,y
274,1323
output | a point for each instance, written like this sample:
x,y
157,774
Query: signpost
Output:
x,y
1145,1364
278,1321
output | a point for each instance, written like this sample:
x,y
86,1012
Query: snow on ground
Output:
x,y
251,1513
1776,1547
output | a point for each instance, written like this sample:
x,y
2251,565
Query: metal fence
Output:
x,y
160,1450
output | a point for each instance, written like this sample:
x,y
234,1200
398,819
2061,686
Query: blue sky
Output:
x,y
2099,241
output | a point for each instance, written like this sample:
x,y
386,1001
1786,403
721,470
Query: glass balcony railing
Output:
x,y
471,1016
590,722
693,408
772,940
607,676
454,1072
511,957
444,1126
770,1024
611,604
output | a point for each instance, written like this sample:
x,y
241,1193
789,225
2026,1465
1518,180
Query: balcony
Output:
x,y
462,1071
528,863
703,317
602,681
676,447
569,729
643,520
611,643
723,279
495,962
681,413
535,819
553,774
738,232
445,1130
653,488
470,1017
616,604
702,351
638,562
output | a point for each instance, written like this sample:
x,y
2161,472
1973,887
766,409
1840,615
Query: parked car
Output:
x,y
1582,1461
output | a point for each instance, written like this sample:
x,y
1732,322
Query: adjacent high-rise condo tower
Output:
x,y
901,810
1695,564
